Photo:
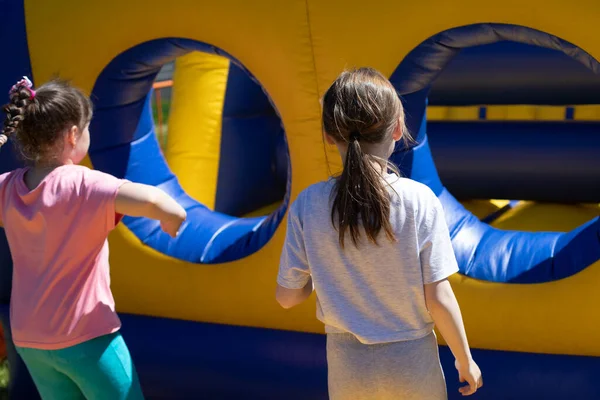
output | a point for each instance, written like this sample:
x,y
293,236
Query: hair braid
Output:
x,y
20,99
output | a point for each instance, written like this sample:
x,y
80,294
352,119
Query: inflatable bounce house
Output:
x,y
500,97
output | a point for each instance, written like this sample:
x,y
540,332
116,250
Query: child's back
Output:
x,y
57,217
377,250
57,233
374,291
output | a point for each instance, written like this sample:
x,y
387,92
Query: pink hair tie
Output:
x,y
23,83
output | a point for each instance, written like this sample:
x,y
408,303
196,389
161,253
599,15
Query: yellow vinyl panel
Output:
x,y
469,113
194,143
587,113
437,113
296,48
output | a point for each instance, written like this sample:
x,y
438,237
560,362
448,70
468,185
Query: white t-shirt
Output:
x,y
372,291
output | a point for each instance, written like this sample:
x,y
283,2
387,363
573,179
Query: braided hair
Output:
x,y
37,119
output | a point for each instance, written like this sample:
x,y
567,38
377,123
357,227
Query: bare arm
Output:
x,y
444,310
289,298
138,200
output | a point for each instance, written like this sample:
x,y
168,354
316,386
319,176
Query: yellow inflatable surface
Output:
x,y
295,49
237,156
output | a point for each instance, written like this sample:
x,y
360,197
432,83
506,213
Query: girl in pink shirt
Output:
x,y
57,216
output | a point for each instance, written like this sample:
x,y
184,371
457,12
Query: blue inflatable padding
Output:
x,y
178,359
487,253
244,96
514,73
524,376
415,164
13,37
538,161
16,63
209,234
488,219
427,61
124,145
231,362
252,174
422,168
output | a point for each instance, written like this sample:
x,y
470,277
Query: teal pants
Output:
x,y
99,369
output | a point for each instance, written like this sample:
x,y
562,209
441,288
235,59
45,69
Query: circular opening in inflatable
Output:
x,y
525,151
226,145
220,135
563,161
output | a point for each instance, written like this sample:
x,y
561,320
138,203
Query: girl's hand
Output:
x,y
471,374
172,224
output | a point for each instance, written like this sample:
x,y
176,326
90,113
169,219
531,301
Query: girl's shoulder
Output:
x,y
413,195
83,174
319,189
410,188
315,194
79,179
11,176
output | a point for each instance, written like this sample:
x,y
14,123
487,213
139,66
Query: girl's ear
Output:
x,y
397,134
73,135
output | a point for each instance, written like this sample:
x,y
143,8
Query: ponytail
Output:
x,y
361,197
362,108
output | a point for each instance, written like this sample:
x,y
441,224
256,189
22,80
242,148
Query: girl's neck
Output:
x,y
378,154
36,174
51,164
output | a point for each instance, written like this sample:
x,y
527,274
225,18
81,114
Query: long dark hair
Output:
x,y
37,119
362,106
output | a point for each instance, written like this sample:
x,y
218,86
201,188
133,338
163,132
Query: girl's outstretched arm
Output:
x,y
445,312
138,200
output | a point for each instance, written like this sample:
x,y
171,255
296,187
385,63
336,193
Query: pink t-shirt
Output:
x,y
57,236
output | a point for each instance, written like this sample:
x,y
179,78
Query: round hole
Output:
x,y
483,252
253,171
220,135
